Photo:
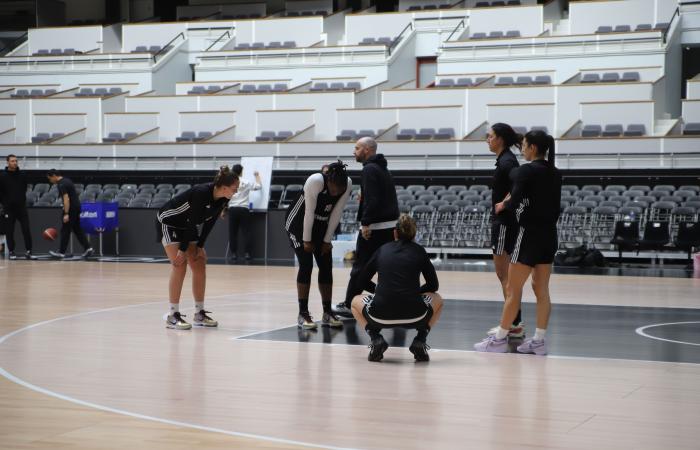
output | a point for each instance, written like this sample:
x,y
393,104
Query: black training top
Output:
x,y
536,195
193,207
13,188
378,203
502,184
399,265
66,186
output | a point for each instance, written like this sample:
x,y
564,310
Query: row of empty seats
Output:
x,y
661,26
263,88
56,52
336,86
127,195
98,92
199,90
691,128
385,40
262,45
459,82
613,130
496,34
523,80
353,135
425,134
119,137
191,136
33,93
306,13
279,136
610,77
151,49
43,137
497,3
429,7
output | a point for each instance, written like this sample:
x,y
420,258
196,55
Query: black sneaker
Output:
x,y
419,350
341,309
57,255
248,257
88,252
28,254
13,256
377,349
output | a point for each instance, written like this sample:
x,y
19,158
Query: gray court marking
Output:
x,y
641,331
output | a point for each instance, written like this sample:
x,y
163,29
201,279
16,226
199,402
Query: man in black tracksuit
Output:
x,y
13,188
70,215
378,212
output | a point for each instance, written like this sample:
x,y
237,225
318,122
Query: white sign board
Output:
x,y
262,165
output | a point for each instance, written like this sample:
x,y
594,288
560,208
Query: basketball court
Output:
x,y
88,363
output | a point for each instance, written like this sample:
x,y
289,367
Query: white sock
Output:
x,y
198,306
174,307
501,333
539,334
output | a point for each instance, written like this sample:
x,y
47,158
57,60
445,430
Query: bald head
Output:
x,y
364,148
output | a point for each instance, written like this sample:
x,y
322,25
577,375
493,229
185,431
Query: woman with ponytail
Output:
x,y
399,299
535,201
504,228
177,223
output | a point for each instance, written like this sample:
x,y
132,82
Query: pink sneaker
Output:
x,y
533,346
492,345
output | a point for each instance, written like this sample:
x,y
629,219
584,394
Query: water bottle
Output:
x,y
631,216
250,205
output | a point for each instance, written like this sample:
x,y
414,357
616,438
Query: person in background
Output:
x,y
239,213
13,192
70,215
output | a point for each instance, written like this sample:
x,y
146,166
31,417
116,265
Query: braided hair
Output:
x,y
225,177
337,174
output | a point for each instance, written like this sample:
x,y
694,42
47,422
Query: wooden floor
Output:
x,y
88,364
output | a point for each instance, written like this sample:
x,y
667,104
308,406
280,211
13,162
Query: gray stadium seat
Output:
x,y
445,82
635,129
643,27
630,77
612,130
604,29
356,85
479,35
504,81
522,80
336,86
622,28
406,134
347,135
495,34
196,90
462,82
265,136
610,77
444,133
321,86
283,135
424,134
542,79
590,78
512,33
591,131
367,41
186,136
692,128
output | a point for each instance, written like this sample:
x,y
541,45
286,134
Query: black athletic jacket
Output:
x,y
13,188
193,207
536,195
399,265
379,203
506,162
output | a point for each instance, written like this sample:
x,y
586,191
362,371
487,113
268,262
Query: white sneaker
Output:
x,y
176,322
88,253
57,254
514,332
201,319
306,322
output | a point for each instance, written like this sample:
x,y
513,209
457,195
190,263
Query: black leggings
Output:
x,y
324,263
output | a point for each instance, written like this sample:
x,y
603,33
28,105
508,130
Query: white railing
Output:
x,y
398,162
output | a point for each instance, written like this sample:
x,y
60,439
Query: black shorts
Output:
x,y
503,236
416,322
535,247
170,235
318,232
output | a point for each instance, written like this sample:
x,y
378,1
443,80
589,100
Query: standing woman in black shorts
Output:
x,y
504,228
310,223
177,223
535,200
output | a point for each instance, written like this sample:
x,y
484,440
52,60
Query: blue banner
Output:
x,y
99,217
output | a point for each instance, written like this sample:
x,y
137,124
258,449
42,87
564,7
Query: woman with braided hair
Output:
x,y
310,222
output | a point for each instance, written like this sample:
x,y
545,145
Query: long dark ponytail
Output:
x,y
543,142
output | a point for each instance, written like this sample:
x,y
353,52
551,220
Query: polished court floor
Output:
x,y
86,363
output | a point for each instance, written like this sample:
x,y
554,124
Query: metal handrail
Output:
x,y
219,38
163,49
677,12
470,43
399,37
14,43
461,23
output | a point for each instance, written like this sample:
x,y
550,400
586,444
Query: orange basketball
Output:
x,y
50,234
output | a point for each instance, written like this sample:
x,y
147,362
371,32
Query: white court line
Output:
x,y
67,398
640,331
438,350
